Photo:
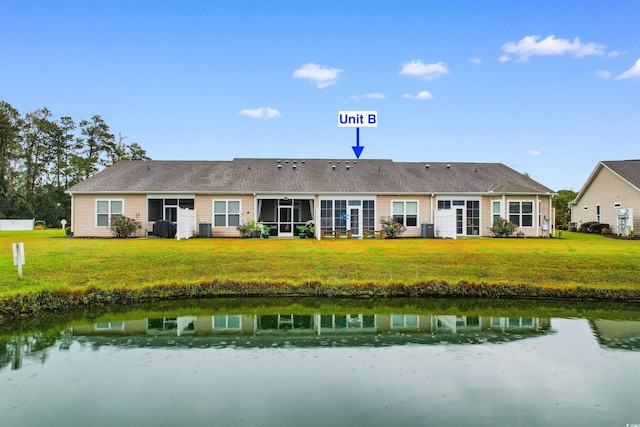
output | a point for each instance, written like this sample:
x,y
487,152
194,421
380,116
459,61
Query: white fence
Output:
x,y
445,226
16,224
186,227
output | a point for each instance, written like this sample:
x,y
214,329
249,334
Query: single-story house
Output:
x,y
611,195
457,199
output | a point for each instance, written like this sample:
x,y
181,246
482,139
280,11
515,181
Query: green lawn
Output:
x,y
57,264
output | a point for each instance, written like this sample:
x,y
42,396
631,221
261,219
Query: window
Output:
x,y
333,214
326,214
340,215
167,209
598,213
473,217
496,213
106,210
368,215
406,213
224,321
226,213
521,213
444,204
404,320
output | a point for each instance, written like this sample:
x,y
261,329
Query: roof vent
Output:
x,y
333,167
286,161
427,166
347,167
346,161
295,161
338,162
294,166
303,161
279,166
448,166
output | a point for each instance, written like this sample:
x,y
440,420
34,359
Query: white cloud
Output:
x,y
532,46
421,96
504,58
374,95
534,152
603,74
417,68
631,73
321,76
614,54
475,60
261,113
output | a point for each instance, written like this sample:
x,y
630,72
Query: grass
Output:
x,y
61,272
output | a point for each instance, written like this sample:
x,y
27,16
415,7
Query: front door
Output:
x,y
355,221
285,221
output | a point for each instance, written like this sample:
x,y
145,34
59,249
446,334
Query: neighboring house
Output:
x,y
611,196
459,199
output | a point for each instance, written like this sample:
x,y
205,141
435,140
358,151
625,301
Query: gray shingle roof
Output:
x,y
627,169
308,176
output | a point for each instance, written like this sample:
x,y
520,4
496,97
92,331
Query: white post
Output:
x,y
18,257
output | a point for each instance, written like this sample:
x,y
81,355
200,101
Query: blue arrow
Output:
x,y
358,149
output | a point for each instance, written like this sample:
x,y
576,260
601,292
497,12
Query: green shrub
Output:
x,y
502,228
40,224
67,231
123,227
392,228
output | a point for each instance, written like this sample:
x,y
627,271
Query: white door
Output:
x,y
285,221
355,220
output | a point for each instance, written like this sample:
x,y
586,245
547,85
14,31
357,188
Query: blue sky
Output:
x,y
546,87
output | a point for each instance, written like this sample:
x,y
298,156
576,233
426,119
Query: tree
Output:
x,y
561,204
10,123
63,145
37,131
98,146
41,157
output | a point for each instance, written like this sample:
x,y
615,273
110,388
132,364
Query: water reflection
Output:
x,y
291,330
294,330
291,363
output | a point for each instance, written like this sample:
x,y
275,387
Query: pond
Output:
x,y
293,362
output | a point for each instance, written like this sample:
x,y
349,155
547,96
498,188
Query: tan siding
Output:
x,y
383,207
247,209
84,212
605,190
486,216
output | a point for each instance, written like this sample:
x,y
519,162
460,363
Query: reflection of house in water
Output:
x,y
273,330
617,334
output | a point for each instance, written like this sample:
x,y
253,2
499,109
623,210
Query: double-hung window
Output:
x,y
226,213
106,210
521,213
496,211
405,212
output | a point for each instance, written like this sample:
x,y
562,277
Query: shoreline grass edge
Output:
x,y
32,303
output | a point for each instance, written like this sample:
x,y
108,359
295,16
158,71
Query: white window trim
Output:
x,y
533,208
404,210
109,213
226,214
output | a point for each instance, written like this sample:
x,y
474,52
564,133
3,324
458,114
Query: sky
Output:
x,y
549,88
